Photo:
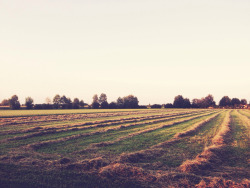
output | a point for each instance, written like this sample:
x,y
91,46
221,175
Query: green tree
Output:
x,y
5,102
130,101
29,102
178,101
14,103
243,101
81,104
56,101
95,104
119,102
225,102
76,103
235,102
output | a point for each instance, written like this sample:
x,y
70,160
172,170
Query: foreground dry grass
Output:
x,y
134,148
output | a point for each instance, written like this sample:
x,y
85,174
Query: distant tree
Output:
x,y
105,105
209,101
243,101
169,105
14,103
156,106
186,103
65,102
29,103
102,98
196,103
225,102
235,102
112,105
76,103
130,101
178,101
95,104
81,103
119,102
5,102
103,101
56,101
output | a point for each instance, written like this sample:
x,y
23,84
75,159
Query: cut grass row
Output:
x,y
62,135
173,153
118,139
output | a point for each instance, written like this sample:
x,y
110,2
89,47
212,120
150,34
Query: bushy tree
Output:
x,y
103,101
81,104
5,102
178,101
56,101
29,103
243,101
130,101
112,105
225,102
235,102
95,104
119,102
156,106
76,103
186,103
14,103
209,101
169,105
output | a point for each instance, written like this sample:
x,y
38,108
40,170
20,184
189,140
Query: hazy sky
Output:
x,y
153,49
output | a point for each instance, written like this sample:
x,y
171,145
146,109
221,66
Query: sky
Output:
x,y
153,49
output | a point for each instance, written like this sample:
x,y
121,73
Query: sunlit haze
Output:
x,y
154,50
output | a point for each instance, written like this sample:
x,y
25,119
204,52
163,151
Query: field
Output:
x,y
125,148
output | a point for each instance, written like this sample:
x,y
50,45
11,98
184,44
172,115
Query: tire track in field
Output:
x,y
46,143
213,154
55,131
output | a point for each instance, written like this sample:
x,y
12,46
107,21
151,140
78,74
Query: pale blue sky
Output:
x,y
152,49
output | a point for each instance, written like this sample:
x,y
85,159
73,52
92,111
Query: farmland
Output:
x,y
125,148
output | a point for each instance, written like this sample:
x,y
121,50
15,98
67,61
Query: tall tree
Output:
x,y
56,101
178,101
103,101
130,101
95,104
235,102
14,103
29,103
209,101
243,101
225,101
76,103
119,102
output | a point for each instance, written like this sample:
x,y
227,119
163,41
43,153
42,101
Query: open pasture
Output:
x,y
125,148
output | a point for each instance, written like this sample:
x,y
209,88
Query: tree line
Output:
x,y
130,101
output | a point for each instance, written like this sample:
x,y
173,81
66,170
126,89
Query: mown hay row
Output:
x,y
131,119
195,127
155,150
213,154
45,143
68,117
54,130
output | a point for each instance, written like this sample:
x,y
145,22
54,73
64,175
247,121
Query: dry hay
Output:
x,y
124,171
195,127
218,182
212,155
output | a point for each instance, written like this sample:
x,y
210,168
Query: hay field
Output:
x,y
125,148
